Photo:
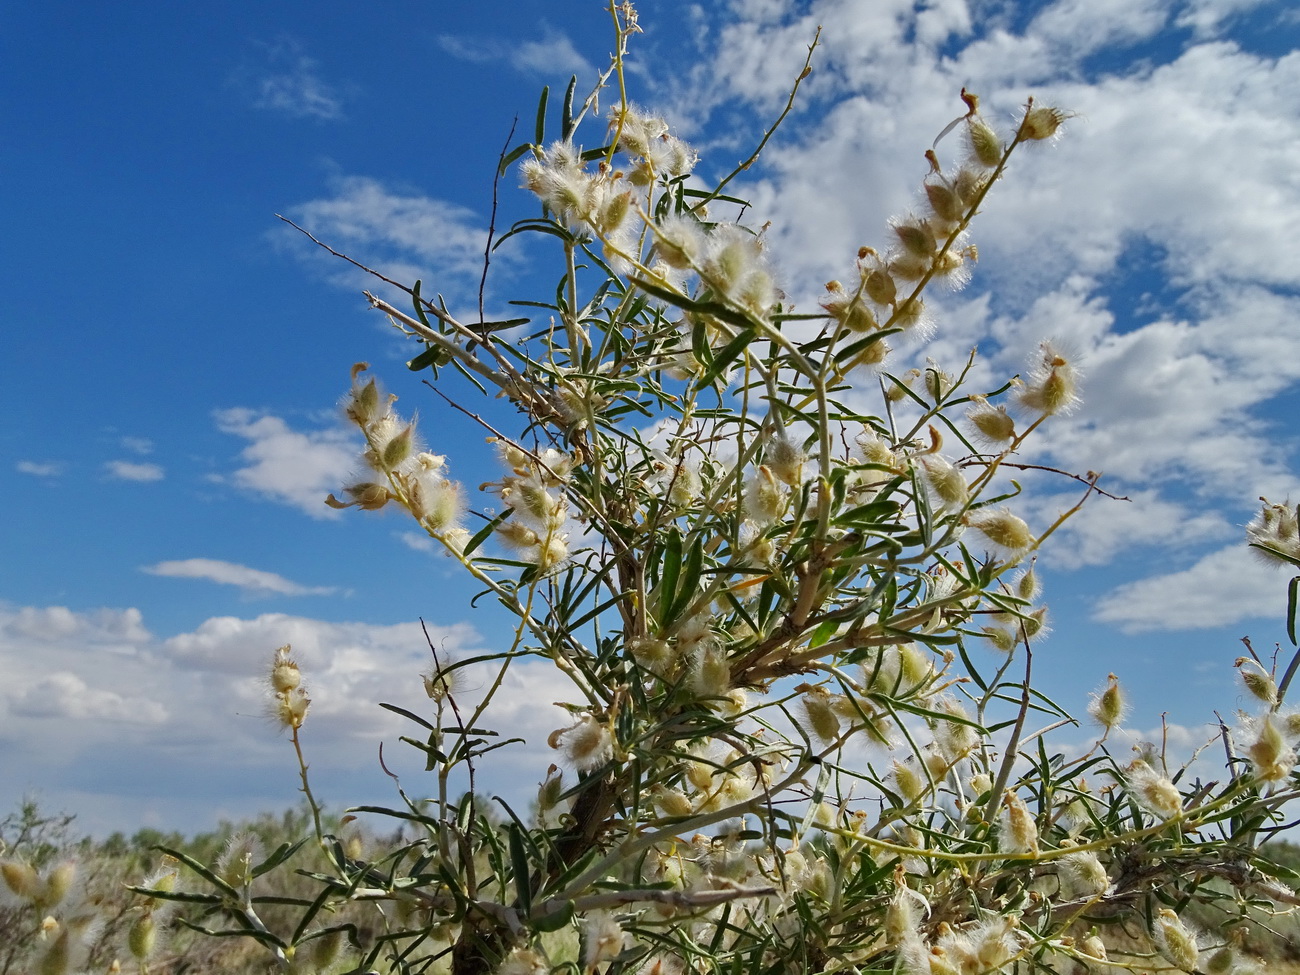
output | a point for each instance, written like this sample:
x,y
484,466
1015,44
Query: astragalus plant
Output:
x,y
789,586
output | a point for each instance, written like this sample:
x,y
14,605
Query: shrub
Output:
x,y
798,612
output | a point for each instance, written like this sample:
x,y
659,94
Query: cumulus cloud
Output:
x,y
65,695
1176,177
39,468
288,466
95,695
137,445
252,581
125,470
1224,587
1104,528
57,623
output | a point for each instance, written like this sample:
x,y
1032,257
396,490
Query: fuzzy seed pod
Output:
x,y
57,884
654,654
1041,123
1002,640
586,745
917,238
1175,941
1154,792
944,202
291,708
143,937
1035,623
821,715
1259,683
325,950
880,287
946,482
552,787
364,403
968,184
554,552
285,675
985,146
1053,383
673,802
1019,831
1271,756
908,780
679,241
765,498
1027,585
1083,875
1108,706
954,738
613,212
786,461
21,878
58,956
1005,531
911,315
711,674
993,423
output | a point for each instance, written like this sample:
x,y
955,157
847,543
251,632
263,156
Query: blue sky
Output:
x,y
173,354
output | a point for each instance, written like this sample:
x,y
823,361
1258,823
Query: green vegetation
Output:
x,y
796,608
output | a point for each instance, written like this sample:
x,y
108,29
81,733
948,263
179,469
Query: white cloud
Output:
x,y
421,543
1087,25
1221,588
137,445
55,623
1207,17
65,695
1104,528
1178,177
253,581
290,84
94,695
553,55
284,465
125,470
401,233
39,468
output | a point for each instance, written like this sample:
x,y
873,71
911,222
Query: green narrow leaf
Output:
x,y
613,600
483,533
540,132
407,714
282,853
725,356
566,110
418,303
519,863
554,919
823,633
672,567
431,356
1293,593
689,583
309,915
853,348
510,157
200,869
